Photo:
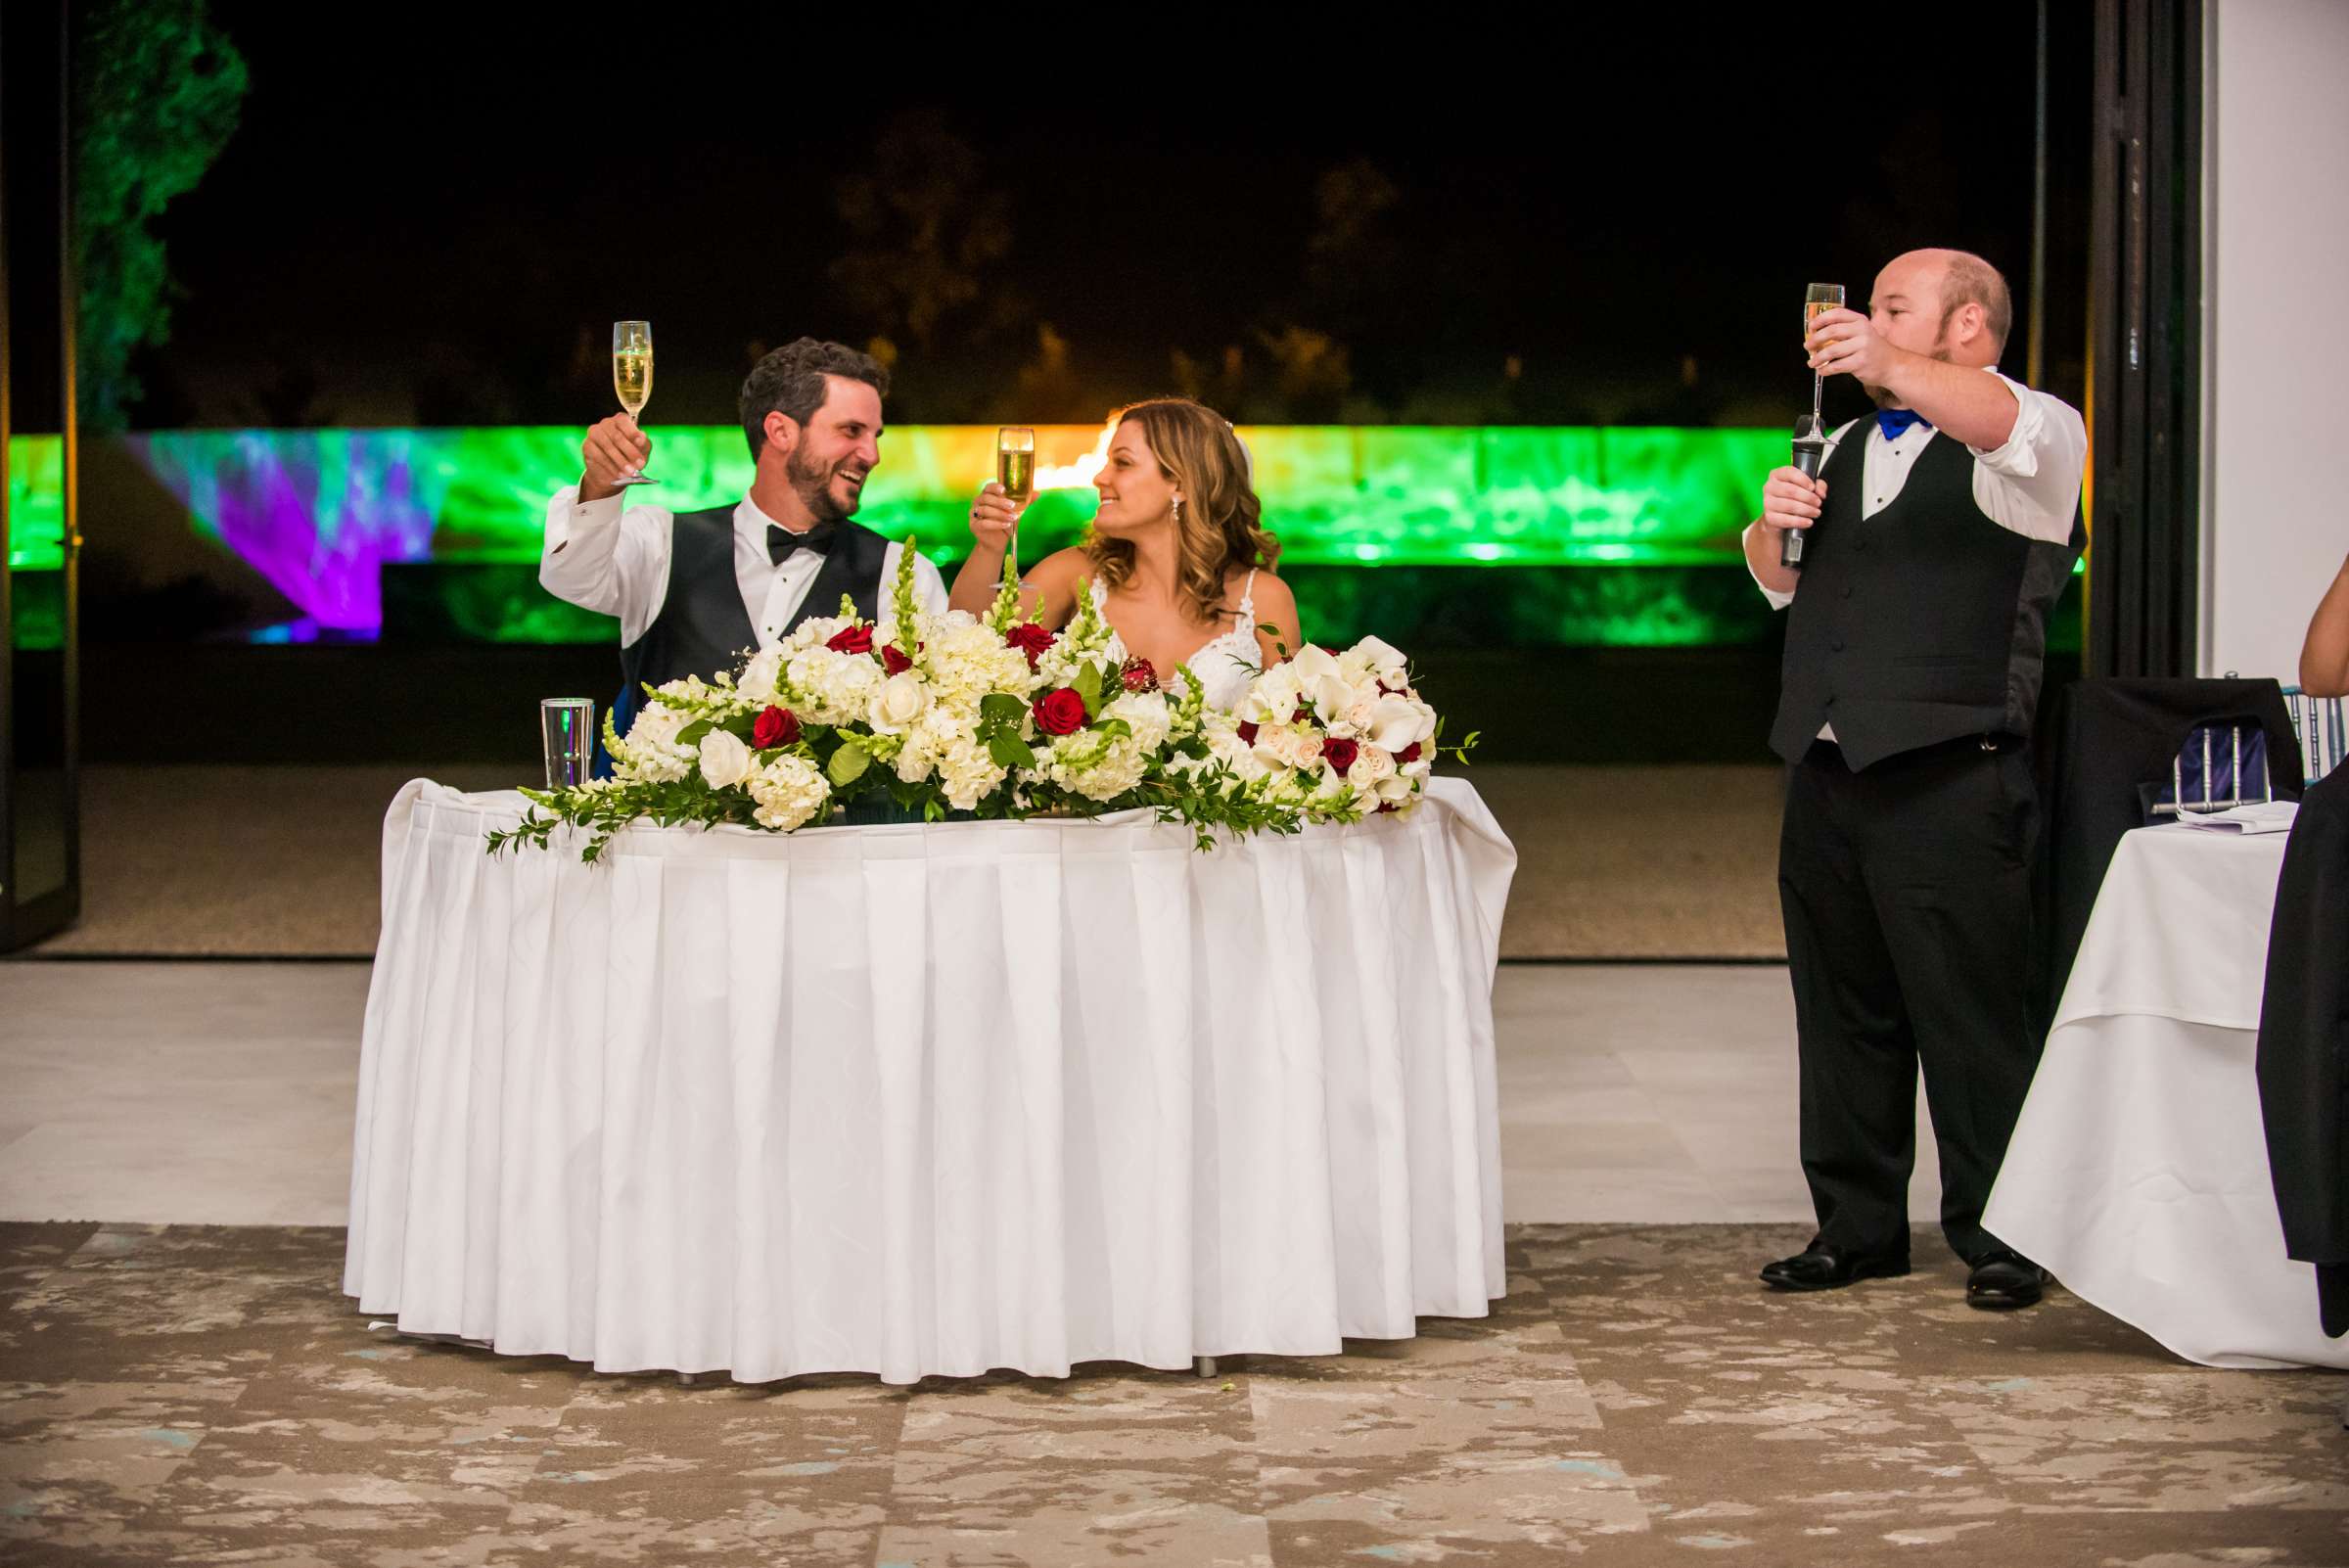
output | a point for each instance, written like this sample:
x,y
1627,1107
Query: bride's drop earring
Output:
x,y
1178,511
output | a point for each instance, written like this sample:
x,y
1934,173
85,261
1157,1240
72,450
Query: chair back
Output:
x,y
2323,731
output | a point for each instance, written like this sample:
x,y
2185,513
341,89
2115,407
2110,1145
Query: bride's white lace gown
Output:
x,y
1227,664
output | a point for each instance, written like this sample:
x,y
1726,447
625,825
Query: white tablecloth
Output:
x,y
913,1100
2138,1171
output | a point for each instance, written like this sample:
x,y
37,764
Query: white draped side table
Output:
x,y
2138,1173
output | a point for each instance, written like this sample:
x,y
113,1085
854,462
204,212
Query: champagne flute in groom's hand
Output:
x,y
632,375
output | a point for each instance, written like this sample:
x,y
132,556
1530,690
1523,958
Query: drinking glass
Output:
x,y
567,729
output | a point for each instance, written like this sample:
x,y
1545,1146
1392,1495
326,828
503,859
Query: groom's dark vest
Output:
x,y
702,628
1922,624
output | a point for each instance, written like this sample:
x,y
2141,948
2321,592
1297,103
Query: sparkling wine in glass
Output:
x,y
1015,462
632,373
1818,297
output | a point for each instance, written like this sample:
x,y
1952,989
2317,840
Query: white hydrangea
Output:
x,y
968,772
969,661
649,754
839,689
789,791
1149,716
814,632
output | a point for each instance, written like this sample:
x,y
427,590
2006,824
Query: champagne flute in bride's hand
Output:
x,y
632,374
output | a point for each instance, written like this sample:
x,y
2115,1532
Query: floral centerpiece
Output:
x,y
998,717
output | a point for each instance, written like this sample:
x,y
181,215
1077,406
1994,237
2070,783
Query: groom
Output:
x,y
695,591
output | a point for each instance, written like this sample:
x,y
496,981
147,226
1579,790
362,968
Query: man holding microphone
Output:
x,y
1938,536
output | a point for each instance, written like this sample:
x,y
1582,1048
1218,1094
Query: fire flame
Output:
x,y
1078,475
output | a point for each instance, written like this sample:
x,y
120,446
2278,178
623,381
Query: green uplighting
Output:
x,y
37,508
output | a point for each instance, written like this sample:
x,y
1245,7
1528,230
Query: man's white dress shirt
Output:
x,y
615,561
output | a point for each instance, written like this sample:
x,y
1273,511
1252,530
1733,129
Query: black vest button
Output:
x,y
1847,591
1836,646
1830,698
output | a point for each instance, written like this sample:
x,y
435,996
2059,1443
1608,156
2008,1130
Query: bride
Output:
x,y
1175,560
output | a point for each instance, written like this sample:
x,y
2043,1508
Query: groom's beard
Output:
x,y
811,482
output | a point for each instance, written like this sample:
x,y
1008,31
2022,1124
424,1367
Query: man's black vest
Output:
x,y
702,628
1922,624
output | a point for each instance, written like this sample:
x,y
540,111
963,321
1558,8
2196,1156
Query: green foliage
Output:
x,y
157,90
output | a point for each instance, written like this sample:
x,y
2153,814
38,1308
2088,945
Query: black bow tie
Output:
x,y
780,542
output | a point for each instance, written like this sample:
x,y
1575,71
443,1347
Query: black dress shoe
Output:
x,y
2003,1281
1820,1266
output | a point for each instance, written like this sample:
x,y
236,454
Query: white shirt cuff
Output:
x,y
1778,600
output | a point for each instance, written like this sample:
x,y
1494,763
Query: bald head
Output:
x,y
1955,279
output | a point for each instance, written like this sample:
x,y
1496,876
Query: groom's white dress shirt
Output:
x,y
616,562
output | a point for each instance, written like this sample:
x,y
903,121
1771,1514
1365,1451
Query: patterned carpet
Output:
x,y
205,1396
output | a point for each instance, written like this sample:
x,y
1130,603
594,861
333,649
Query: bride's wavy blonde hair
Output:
x,y
1221,530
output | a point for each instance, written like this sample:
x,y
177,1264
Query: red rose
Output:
x,y
774,726
1409,754
1247,733
1138,676
1340,752
1060,712
1031,639
896,663
1385,806
851,639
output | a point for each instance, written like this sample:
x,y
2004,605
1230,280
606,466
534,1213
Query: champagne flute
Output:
x,y
1818,297
1015,462
632,373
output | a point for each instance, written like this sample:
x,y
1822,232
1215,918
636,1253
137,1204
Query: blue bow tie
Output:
x,y
1895,422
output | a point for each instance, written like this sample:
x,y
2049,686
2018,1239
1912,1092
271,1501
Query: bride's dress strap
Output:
x,y
1248,598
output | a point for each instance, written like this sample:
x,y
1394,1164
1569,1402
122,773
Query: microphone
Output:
x,y
1810,455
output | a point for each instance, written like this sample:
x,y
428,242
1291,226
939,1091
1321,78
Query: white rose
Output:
x,y
1370,766
902,699
1398,723
758,681
726,759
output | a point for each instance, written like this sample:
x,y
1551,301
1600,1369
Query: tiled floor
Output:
x,y
222,1092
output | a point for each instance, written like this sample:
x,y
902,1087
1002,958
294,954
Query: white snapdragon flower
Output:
x,y
789,791
726,759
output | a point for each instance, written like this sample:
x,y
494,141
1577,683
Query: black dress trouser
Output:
x,y
1906,894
